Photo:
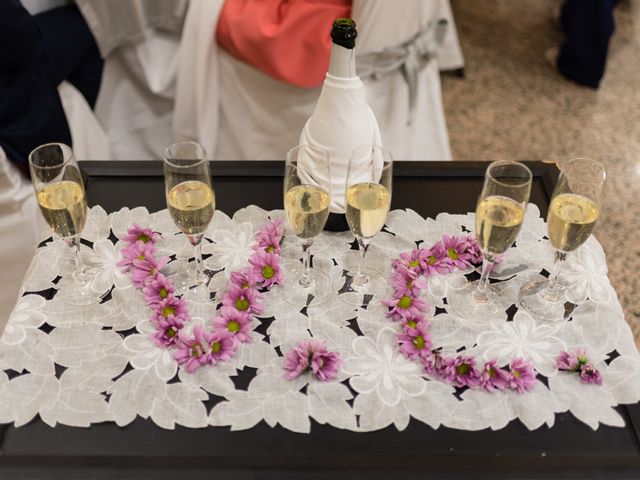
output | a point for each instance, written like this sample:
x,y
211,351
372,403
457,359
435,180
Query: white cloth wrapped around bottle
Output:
x,y
341,122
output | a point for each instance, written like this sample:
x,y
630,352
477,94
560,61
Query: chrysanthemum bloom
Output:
x,y
472,249
410,261
456,251
461,371
136,251
192,353
434,260
245,279
572,361
140,234
236,323
403,306
171,307
158,289
493,378
416,342
408,282
269,237
412,320
243,300
266,266
167,332
590,375
523,375
312,355
221,347
434,364
146,270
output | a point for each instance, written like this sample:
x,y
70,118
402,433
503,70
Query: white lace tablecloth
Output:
x,y
79,366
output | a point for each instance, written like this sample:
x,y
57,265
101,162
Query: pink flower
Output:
x,y
158,289
139,234
221,348
192,353
590,375
408,282
472,249
171,308
415,343
523,375
136,251
237,324
243,300
410,261
266,266
312,355
435,364
168,331
461,371
411,321
493,378
572,361
434,260
456,251
403,306
146,270
269,237
245,279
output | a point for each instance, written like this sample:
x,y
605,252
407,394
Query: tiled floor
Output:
x,y
513,105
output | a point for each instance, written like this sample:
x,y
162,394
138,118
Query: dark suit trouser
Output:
x,y
589,26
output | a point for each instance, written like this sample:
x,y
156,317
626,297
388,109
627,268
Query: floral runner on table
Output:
x,y
360,369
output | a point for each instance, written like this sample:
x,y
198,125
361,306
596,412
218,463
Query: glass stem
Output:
x,y
306,279
80,274
197,251
361,276
552,292
480,295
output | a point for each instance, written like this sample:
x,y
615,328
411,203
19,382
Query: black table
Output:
x,y
569,450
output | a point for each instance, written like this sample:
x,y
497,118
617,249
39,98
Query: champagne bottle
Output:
x,y
342,120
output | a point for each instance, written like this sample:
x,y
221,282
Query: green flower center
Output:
x,y
216,347
242,304
405,302
163,293
144,238
197,351
463,369
418,342
233,326
140,257
516,374
582,361
432,260
168,311
452,253
414,264
412,323
270,249
171,332
268,272
492,372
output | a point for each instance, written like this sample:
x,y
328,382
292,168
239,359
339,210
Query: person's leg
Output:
x,y
72,51
589,25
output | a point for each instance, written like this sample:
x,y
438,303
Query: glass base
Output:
x,y
192,289
316,293
534,299
465,303
80,292
355,290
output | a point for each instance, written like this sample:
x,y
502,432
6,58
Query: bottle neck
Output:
x,y
343,62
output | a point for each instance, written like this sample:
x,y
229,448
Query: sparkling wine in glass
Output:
x,y
368,199
307,200
574,211
61,196
500,213
191,203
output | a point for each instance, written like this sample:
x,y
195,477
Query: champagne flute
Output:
x,y
191,202
368,194
499,216
61,195
574,211
307,198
